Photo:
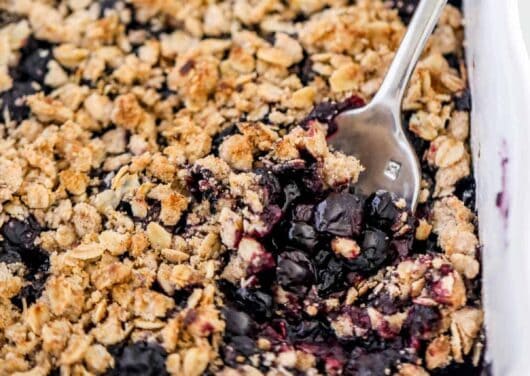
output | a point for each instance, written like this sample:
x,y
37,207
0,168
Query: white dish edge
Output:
x,y
500,82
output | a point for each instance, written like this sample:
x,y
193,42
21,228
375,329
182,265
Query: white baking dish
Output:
x,y
500,81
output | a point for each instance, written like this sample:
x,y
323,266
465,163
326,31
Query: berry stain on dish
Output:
x,y
502,201
170,204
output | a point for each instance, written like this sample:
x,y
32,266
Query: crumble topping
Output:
x,y
169,203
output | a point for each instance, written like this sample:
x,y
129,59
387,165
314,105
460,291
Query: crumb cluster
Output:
x,y
169,203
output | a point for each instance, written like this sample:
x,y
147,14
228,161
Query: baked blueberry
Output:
x,y
310,332
236,348
9,254
422,321
372,364
271,186
18,246
453,60
374,252
462,369
243,345
304,69
34,65
35,284
21,233
238,323
301,234
291,192
463,100
138,359
330,271
254,302
340,214
401,247
465,190
294,269
405,8
303,213
13,101
381,210
324,112
106,4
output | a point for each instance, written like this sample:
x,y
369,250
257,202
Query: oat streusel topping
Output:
x,y
169,203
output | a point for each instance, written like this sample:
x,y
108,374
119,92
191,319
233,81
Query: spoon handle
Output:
x,y
420,28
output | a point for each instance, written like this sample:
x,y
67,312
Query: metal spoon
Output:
x,y
374,133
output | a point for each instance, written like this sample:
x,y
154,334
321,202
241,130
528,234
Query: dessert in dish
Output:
x,y
170,205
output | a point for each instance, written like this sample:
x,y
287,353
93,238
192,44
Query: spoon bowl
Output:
x,y
374,133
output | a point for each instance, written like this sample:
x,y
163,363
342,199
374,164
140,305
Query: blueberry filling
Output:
x,y
308,271
317,243
371,364
220,136
340,214
462,100
238,322
34,61
18,246
375,252
465,190
422,321
138,359
287,305
464,369
294,271
331,273
106,4
382,211
304,70
28,76
406,8
12,101
257,303
324,112
302,235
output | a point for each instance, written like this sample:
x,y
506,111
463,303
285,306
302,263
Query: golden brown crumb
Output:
x,y
139,159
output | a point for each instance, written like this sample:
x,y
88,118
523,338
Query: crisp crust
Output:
x,y
133,131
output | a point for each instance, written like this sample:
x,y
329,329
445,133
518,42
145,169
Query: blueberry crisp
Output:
x,y
169,204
